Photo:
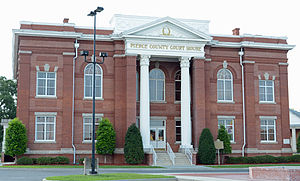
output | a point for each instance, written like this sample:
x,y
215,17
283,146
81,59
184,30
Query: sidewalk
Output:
x,y
212,176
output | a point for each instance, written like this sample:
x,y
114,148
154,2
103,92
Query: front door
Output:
x,y
158,134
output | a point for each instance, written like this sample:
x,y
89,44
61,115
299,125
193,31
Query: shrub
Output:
x,y
34,160
25,161
206,151
224,136
106,138
60,160
45,160
81,160
15,138
295,158
133,148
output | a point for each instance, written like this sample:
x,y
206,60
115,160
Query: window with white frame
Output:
x,y
88,81
266,91
224,85
178,130
88,125
46,84
157,85
178,86
45,126
228,123
267,129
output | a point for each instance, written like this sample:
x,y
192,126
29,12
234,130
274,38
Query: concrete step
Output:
x,y
163,159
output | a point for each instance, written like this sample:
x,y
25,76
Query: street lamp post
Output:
x,y
85,53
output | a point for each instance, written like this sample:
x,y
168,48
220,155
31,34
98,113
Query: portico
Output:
x,y
165,40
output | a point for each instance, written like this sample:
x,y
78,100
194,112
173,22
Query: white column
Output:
x,y
144,101
186,131
294,142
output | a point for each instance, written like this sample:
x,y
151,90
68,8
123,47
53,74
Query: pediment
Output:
x,y
167,28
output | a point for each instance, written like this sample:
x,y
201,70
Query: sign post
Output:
x,y
219,145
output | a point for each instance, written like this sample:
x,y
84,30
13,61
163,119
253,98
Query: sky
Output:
x,y
258,17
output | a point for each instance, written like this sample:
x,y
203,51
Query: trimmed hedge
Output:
x,y
25,161
43,160
263,159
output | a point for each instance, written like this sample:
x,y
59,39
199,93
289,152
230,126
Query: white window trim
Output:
x,y
274,118
101,90
177,119
233,121
164,98
273,88
45,114
225,101
89,115
36,86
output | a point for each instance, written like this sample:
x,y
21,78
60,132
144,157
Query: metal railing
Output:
x,y
171,153
154,155
189,155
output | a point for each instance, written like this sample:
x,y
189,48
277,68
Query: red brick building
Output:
x,y
170,76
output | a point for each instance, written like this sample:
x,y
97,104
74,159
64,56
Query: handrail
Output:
x,y
154,155
171,153
189,155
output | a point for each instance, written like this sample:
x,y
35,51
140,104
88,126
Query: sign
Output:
x,y
177,47
219,144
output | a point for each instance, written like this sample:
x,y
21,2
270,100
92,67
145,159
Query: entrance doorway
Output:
x,y
158,134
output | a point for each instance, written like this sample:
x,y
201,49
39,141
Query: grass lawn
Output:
x,y
107,176
78,166
251,165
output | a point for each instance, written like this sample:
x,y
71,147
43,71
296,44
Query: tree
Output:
x,y
206,151
133,149
224,136
298,144
106,138
8,91
15,138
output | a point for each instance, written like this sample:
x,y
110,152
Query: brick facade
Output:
x,y
119,102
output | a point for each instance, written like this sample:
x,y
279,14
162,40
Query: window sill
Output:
x,y
177,142
268,142
88,141
159,102
266,102
45,97
229,102
232,142
50,142
96,98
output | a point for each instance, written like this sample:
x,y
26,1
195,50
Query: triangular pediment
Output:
x,y
167,28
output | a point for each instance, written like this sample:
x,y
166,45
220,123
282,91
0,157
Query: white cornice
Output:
x,y
250,36
249,44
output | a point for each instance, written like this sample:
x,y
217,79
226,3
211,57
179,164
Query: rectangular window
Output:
x,y
267,129
46,84
45,126
88,126
228,122
266,91
178,130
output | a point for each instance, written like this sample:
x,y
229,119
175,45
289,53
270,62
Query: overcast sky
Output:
x,y
259,17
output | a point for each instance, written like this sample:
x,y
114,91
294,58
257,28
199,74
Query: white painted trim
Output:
x,y
99,115
248,61
268,117
36,86
45,113
226,117
25,52
283,63
69,53
250,36
255,150
164,118
101,78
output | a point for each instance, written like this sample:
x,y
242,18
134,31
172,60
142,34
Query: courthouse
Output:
x,y
171,77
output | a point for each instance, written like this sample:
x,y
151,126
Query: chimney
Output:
x,y
66,20
236,31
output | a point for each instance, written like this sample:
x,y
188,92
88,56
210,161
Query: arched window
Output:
x,y
225,85
88,81
178,86
157,85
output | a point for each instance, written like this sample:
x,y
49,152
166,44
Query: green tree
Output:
x,y
8,91
206,151
15,138
133,149
298,144
106,138
224,136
